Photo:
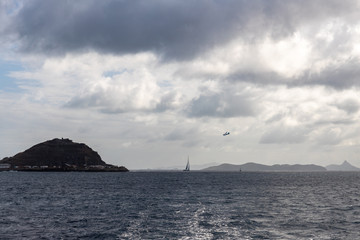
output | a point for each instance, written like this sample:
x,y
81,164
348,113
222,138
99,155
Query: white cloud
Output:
x,y
285,135
288,57
329,136
150,111
282,78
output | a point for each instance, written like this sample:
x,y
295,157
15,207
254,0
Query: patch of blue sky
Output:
x,y
114,73
13,6
8,83
165,84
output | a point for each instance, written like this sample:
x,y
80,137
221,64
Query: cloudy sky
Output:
x,y
147,83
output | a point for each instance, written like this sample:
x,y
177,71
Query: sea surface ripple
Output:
x,y
179,205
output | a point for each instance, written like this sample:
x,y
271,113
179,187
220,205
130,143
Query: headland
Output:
x,y
62,155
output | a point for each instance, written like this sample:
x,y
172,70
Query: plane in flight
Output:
x,y
226,133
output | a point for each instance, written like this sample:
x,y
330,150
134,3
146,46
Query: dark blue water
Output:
x,y
179,205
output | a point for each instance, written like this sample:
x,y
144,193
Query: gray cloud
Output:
x,y
180,134
173,29
288,135
222,105
334,122
261,78
349,105
101,102
90,100
340,76
330,137
107,101
166,103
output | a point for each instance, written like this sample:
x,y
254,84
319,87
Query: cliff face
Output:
x,y
60,155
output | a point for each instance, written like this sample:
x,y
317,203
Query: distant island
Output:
x,y
59,155
345,166
255,167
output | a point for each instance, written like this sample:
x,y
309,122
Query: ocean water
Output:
x,y
179,205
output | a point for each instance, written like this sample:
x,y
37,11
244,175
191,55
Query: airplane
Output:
x,y
226,133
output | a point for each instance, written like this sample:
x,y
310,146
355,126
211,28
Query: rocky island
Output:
x,y
59,155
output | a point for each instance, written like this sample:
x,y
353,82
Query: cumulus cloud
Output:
x,y
119,95
260,42
222,105
174,29
349,105
338,76
180,73
285,135
183,134
330,136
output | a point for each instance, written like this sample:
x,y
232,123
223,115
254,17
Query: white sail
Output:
x,y
187,168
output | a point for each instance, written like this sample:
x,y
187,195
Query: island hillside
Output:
x,y
345,166
58,155
255,167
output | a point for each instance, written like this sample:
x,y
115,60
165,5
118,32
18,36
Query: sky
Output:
x,y
148,83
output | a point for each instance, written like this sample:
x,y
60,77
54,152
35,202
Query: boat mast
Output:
x,y
187,168
188,165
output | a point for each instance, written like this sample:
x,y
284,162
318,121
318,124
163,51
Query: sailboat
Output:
x,y
187,168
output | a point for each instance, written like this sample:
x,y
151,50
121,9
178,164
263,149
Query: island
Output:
x,y
255,167
345,166
61,155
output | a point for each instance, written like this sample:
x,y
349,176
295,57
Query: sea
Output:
x,y
180,205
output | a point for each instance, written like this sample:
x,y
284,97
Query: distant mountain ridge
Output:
x,y
345,166
256,167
